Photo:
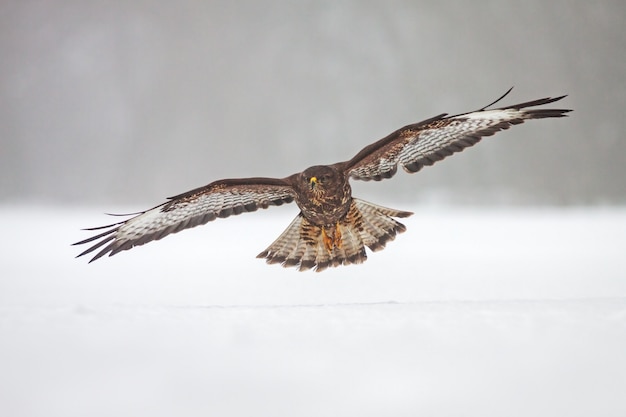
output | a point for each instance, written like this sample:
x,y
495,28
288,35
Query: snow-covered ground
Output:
x,y
471,312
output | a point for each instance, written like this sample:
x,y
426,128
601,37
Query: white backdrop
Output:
x,y
470,312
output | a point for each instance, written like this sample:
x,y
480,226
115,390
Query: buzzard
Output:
x,y
333,227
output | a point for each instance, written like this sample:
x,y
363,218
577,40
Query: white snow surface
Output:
x,y
471,312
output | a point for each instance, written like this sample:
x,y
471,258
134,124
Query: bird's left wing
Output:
x,y
422,144
196,207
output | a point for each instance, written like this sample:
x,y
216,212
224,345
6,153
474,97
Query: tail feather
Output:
x,y
284,245
308,246
378,230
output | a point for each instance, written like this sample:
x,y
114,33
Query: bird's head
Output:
x,y
320,178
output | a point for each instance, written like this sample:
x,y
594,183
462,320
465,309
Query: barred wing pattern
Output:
x,y
219,199
422,144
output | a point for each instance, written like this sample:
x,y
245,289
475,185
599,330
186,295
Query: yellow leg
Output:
x,y
338,240
333,239
328,241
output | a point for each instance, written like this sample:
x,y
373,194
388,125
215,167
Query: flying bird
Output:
x,y
333,227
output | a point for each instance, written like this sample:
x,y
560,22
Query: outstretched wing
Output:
x,y
193,208
421,144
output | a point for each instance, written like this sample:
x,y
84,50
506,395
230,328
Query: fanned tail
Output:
x,y
307,246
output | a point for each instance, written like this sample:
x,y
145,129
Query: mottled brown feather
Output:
x,y
421,144
219,199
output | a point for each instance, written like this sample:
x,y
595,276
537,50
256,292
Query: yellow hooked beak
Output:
x,y
313,182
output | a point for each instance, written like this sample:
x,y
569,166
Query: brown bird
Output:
x,y
332,227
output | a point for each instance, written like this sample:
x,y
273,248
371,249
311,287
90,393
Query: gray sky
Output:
x,y
116,102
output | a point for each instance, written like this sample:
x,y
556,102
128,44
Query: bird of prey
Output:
x,y
333,227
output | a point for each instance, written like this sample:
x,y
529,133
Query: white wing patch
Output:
x,y
186,211
422,144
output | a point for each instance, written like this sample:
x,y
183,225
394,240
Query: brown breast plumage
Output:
x,y
323,194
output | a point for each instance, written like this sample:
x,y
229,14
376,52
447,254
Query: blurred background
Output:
x,y
506,296
123,102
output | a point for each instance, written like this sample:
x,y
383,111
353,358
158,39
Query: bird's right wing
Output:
x,y
196,207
